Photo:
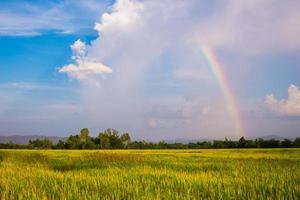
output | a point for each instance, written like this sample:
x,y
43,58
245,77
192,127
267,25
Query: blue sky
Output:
x,y
137,66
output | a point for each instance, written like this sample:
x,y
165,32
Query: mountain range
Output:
x,y
24,139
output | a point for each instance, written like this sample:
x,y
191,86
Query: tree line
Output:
x,y
112,139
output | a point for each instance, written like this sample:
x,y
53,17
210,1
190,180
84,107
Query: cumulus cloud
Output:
x,y
289,106
154,42
78,49
84,67
124,13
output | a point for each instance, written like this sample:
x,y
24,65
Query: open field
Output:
x,y
150,174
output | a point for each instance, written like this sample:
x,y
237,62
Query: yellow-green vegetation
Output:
x,y
150,174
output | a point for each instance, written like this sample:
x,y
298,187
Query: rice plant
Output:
x,y
150,174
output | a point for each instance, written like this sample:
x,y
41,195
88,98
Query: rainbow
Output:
x,y
229,96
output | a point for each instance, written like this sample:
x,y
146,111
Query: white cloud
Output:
x,y
248,27
192,74
29,86
63,17
84,67
140,40
124,14
289,106
79,49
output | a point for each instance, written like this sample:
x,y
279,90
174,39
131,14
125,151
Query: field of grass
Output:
x,y
150,174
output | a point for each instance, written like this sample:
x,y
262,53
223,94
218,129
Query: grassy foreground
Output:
x,y
150,174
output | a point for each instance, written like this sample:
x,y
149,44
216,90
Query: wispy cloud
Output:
x,y
250,28
29,86
64,17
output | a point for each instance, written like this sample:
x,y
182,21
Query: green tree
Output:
x,y
90,144
60,145
41,144
104,141
296,143
286,143
114,138
84,136
219,144
125,138
242,142
162,145
74,142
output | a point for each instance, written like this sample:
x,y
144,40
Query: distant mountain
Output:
x,y
275,137
188,140
20,139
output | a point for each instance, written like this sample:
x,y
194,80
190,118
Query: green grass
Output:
x,y
150,174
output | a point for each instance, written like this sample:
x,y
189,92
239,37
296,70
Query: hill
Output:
x,y
24,139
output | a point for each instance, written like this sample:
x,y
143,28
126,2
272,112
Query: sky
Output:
x,y
157,69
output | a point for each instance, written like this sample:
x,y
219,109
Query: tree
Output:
x,y
218,144
270,143
296,143
104,141
41,144
286,143
90,144
141,145
242,142
96,141
60,145
125,138
84,136
162,144
114,138
204,145
74,142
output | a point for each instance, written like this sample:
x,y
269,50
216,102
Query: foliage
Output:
x,y
84,136
112,139
40,144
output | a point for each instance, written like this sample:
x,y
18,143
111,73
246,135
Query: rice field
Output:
x,y
150,174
